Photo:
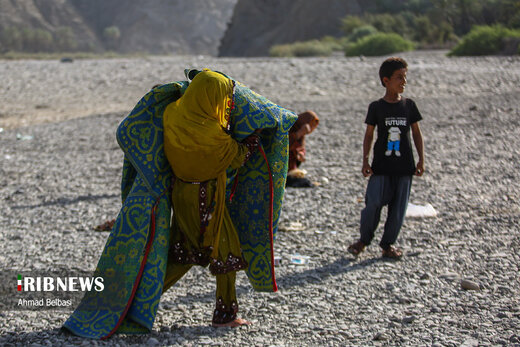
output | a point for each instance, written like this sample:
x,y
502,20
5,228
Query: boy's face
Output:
x,y
397,82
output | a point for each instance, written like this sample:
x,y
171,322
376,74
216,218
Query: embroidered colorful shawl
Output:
x,y
260,184
133,262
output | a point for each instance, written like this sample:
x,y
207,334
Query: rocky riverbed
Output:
x,y
60,170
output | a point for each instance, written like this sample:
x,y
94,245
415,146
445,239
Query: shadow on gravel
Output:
x,y
26,338
194,333
318,274
68,201
301,279
60,336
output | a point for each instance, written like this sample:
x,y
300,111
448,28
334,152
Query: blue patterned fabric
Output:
x,y
134,273
133,262
261,183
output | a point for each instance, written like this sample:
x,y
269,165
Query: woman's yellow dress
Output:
x,y
199,151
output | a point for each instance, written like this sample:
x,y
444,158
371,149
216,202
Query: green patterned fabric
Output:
x,y
257,200
134,260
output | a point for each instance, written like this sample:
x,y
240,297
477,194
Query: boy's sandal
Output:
x,y
233,324
356,248
392,252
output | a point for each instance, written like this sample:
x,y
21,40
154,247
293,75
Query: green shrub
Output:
x,y
351,23
423,29
387,23
444,33
26,39
380,44
333,42
111,35
361,32
40,41
65,39
302,49
484,40
11,38
312,48
336,43
514,22
344,43
281,51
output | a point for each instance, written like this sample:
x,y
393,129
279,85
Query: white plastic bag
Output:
x,y
420,211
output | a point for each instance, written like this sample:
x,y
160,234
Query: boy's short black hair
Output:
x,y
389,66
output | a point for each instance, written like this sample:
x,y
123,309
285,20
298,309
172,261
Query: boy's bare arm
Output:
x,y
419,145
367,145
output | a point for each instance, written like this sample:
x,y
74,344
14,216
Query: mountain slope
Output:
x,y
257,25
154,26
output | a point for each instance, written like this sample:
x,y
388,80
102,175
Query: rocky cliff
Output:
x,y
172,26
20,17
154,26
256,25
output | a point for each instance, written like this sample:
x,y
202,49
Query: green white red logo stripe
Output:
x,y
19,283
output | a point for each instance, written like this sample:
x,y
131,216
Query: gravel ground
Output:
x,y
60,172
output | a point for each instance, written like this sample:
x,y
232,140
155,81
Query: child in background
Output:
x,y
307,122
393,162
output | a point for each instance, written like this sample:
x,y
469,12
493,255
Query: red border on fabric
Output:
x,y
235,183
271,202
138,279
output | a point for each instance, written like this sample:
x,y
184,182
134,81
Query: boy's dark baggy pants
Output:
x,y
393,191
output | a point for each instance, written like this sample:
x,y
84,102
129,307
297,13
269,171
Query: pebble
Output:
x,y
409,319
469,285
435,309
470,343
425,276
152,341
449,276
380,337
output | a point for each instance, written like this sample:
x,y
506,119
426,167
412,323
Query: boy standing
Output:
x,y
393,162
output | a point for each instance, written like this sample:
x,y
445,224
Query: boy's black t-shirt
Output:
x,y
393,154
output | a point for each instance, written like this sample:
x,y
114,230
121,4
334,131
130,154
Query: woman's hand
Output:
x,y
252,142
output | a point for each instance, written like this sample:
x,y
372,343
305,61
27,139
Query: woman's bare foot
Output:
x,y
233,324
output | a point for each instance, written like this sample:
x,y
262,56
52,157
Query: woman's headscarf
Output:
x,y
196,145
195,142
